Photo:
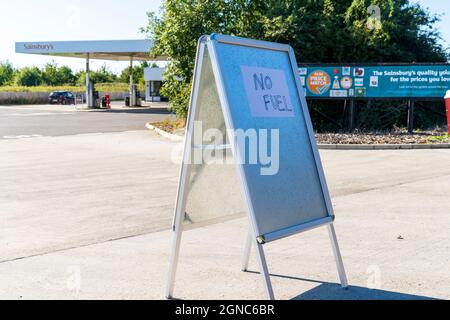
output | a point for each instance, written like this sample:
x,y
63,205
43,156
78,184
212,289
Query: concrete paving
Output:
x,y
62,192
87,217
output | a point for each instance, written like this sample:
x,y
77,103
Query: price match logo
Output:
x,y
318,82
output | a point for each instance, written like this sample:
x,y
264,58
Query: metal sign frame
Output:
x,y
254,237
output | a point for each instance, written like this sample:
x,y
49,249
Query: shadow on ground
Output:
x,y
333,291
136,111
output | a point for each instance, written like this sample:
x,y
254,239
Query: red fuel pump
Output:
x,y
107,101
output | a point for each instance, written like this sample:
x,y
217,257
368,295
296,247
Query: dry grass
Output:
x,y
423,137
102,87
394,137
170,125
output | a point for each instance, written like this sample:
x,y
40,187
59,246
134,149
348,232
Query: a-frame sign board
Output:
x,y
251,86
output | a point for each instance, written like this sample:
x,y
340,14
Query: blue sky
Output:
x,y
441,7
44,20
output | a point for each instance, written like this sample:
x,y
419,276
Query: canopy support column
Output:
x,y
89,93
132,88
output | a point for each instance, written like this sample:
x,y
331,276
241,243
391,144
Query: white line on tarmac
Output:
x,y
39,108
38,114
25,136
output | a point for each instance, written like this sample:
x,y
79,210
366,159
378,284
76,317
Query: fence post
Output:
x,y
352,116
410,116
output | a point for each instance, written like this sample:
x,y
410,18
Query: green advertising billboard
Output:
x,y
375,81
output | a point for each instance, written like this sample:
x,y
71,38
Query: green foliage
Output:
x,y
138,73
29,76
182,23
102,75
51,78
6,73
444,138
66,75
337,31
177,89
52,75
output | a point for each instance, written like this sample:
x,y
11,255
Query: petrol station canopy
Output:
x,y
116,50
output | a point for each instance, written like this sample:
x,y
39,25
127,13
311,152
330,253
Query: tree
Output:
x,y
80,77
6,73
29,76
138,73
66,76
319,31
103,75
52,75
175,35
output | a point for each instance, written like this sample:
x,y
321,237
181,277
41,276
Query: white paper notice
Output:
x,y
267,92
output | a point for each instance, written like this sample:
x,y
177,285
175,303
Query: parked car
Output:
x,y
61,97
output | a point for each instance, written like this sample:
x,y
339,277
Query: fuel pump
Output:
x,y
138,97
135,96
133,90
106,101
96,99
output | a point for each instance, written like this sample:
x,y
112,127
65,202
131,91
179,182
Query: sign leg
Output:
x,y
337,256
247,250
264,270
176,242
352,116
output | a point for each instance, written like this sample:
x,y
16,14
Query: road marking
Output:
x,y
25,136
38,114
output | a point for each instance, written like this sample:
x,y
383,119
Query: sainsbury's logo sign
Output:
x,y
35,46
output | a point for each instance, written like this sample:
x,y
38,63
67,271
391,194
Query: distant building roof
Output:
x,y
153,74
